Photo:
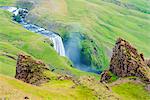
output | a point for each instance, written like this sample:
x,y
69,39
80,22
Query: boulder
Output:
x,y
148,87
64,77
105,76
126,61
31,71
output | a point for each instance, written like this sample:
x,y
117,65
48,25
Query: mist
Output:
x,y
73,49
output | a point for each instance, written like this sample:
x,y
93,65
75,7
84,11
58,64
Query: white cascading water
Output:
x,y
72,44
56,39
58,44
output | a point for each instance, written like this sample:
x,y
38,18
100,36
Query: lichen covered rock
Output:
x,y
31,71
126,62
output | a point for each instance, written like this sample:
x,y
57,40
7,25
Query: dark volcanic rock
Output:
x,y
126,62
31,71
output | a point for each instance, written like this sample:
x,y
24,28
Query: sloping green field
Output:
x,y
59,90
15,39
103,21
132,91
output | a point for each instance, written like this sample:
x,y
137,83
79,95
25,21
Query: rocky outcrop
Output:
x,y
31,71
126,62
65,77
105,76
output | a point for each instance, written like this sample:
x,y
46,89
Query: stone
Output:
x,y
148,87
26,97
64,77
126,61
147,61
31,71
105,76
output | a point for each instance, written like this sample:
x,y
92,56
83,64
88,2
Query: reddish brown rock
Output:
x,y
126,62
31,71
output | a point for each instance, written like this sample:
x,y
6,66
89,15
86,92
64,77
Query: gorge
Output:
x,y
71,48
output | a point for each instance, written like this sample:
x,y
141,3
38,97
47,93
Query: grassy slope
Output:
x,y
15,39
102,21
15,89
22,43
132,91
7,2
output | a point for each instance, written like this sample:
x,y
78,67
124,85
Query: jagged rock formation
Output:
x,y
31,71
126,62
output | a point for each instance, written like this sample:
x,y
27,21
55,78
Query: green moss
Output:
x,y
93,56
110,77
113,78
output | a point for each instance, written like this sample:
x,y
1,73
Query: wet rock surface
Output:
x,y
31,71
126,61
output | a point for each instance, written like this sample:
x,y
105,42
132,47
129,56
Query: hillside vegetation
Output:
x,y
15,39
101,22
15,89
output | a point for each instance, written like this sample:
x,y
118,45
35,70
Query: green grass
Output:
x,y
7,2
132,91
15,39
141,5
103,22
58,90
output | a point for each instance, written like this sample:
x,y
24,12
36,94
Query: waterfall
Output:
x,y
58,44
73,45
56,39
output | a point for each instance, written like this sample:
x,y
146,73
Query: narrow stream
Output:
x,y
72,46
56,39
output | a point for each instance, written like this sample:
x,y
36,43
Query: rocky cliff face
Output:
x,y
126,62
31,71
